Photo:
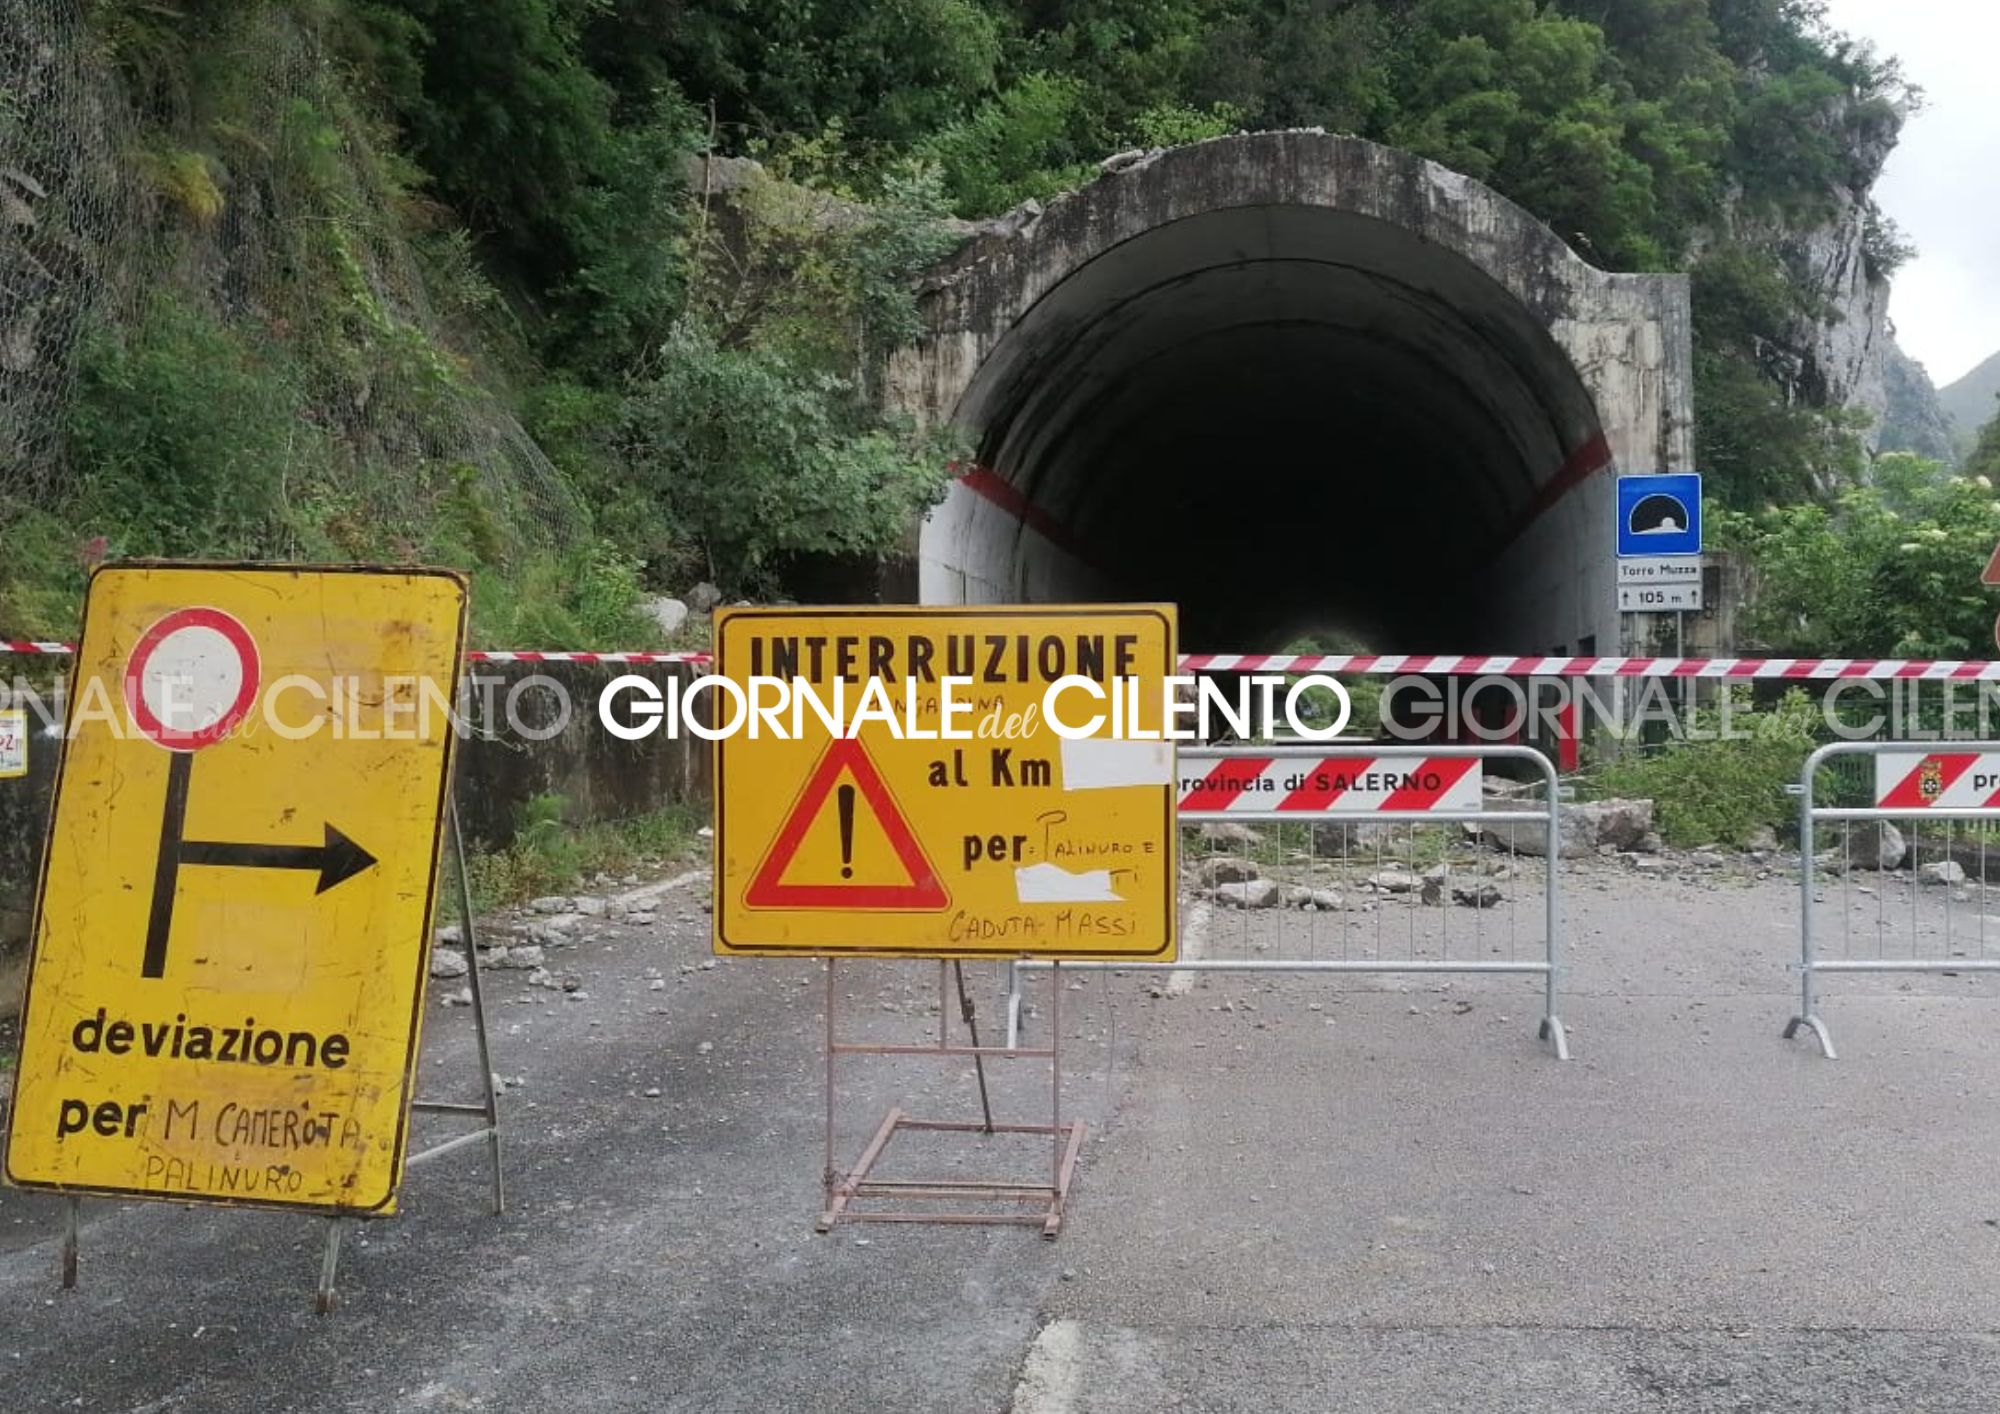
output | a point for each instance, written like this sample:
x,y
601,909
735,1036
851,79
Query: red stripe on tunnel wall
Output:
x,y
990,484
1578,467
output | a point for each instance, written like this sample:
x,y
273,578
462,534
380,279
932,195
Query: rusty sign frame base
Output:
x,y
1049,1199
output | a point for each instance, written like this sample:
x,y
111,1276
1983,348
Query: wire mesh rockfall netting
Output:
x,y
206,189
67,223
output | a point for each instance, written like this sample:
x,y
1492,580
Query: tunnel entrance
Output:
x,y
1290,380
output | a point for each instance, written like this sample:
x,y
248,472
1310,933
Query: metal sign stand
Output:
x,y
843,1191
486,1108
72,1215
325,1297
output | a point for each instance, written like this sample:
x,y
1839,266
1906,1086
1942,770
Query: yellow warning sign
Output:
x,y
894,784
232,931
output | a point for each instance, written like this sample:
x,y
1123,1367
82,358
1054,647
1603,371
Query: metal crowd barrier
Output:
x,y
1328,880
1911,864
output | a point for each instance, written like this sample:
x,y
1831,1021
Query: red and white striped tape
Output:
x,y
1391,664
495,656
1937,780
1346,784
1736,669
19,645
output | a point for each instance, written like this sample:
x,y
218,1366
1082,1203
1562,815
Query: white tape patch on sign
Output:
x,y
1937,780
1348,784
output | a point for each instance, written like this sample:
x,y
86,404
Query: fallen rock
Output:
x,y
1762,840
1476,895
1875,844
1337,837
592,907
668,613
1622,822
1945,871
1706,859
1251,893
556,930
448,962
451,934
1227,832
525,958
1223,869
1393,881
703,597
1321,900
553,903
1625,825
1433,889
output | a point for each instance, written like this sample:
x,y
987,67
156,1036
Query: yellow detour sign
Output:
x,y
895,787
232,932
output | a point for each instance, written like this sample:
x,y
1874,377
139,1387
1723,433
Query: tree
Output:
x,y
1985,458
1890,570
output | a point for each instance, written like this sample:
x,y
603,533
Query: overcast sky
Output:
x,y
1943,182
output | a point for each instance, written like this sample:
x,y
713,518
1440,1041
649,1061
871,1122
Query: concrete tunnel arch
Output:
x,y
1289,379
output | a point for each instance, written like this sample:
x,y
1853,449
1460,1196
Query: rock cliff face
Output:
x,y
1915,419
1839,350
1836,354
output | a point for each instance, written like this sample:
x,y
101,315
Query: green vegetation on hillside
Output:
x,y
1887,570
440,279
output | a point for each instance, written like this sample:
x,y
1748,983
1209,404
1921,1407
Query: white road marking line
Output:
x,y
1194,942
1051,1376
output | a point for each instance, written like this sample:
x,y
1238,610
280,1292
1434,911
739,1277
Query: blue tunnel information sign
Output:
x,y
1659,515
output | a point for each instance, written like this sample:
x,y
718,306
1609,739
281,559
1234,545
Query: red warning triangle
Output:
x,y
1991,574
923,893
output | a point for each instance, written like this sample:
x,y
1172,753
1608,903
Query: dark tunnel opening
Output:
x,y
1278,417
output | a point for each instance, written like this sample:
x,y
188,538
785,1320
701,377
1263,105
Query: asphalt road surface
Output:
x,y
1296,1194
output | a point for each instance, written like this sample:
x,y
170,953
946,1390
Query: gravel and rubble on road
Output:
x,y
1375,1183
1363,866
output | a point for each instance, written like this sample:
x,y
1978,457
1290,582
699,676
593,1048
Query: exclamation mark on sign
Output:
x,y
846,832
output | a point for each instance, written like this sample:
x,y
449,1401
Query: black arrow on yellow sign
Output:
x,y
335,861
339,858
